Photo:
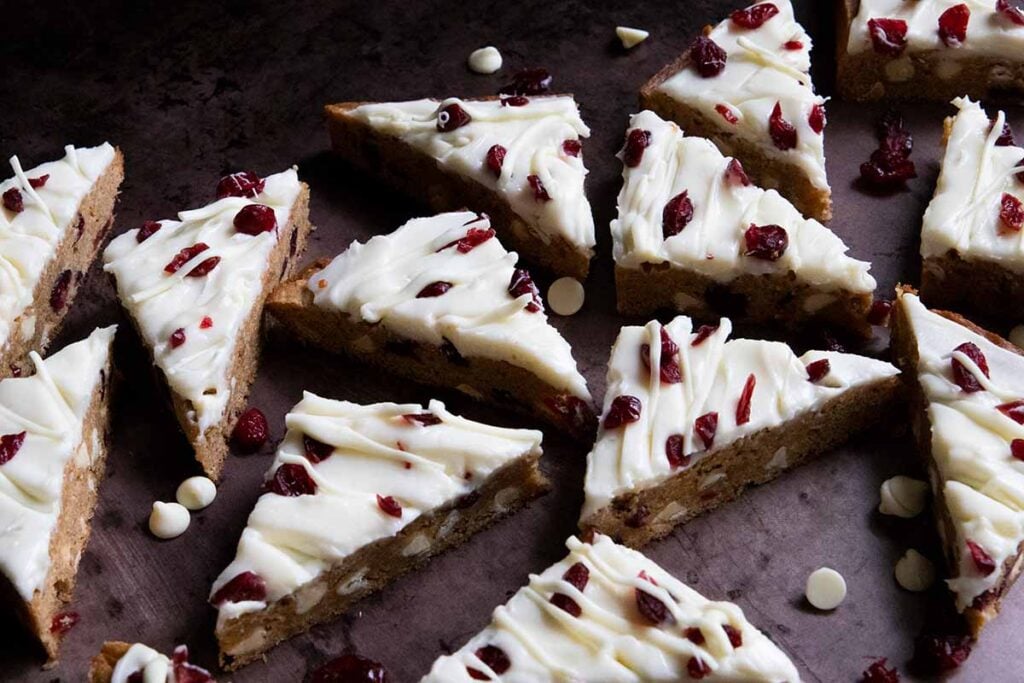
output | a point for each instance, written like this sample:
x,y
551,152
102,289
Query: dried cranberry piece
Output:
x,y
251,431
473,239
766,242
652,609
705,427
670,372
676,215
13,201
817,370
708,56
476,674
637,141
571,408
452,117
983,562
953,25
520,284
755,16
703,332
535,81
782,132
316,451
1005,138
1010,11
1017,449
577,576
185,672
389,506
1013,410
816,119
883,173
880,311
743,405
674,452
1011,213
540,193
350,668
726,112
10,444
255,219
184,256
735,175
572,148
515,101
204,267
878,672
246,587
148,229
425,419
241,184
451,353
63,622
888,36
697,668
564,602
793,45
59,295
941,653
434,289
206,323
177,338
961,375
292,479
624,410
495,158
495,658
36,183
733,634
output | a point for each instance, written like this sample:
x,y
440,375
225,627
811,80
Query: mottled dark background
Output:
x,y
192,90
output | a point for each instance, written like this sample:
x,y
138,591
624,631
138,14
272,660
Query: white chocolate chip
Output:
x,y
195,493
417,545
168,520
1017,336
947,69
914,571
899,70
486,60
903,497
631,37
826,588
565,296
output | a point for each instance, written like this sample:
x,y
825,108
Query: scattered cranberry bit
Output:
x,y
694,635
495,659
425,419
577,576
888,36
878,672
880,311
890,166
766,242
515,101
1013,410
13,201
727,113
185,672
204,267
255,219
241,184
782,132
705,426
292,479
1011,213
536,81
817,370
247,586
36,183
473,239
941,653
1010,11
540,193
571,408
743,405
703,332
452,117
389,506
316,451
623,410
520,284
697,668
495,158
451,353
572,148
564,602
676,215
1017,449
637,141
652,609
816,119
251,431
434,289
733,634
963,377
674,452
1005,138
177,338
983,562
59,295
63,622
755,16
670,371
184,256
708,56
350,668
793,45
206,323
953,25
148,229
735,175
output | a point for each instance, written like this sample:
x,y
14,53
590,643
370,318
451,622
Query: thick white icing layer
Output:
x,y
532,136
714,374
49,406
981,481
155,667
162,303
964,213
760,72
29,239
611,641
289,541
712,243
379,281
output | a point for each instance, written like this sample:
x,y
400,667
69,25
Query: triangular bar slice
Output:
x,y
441,301
120,662
53,219
607,613
53,449
517,158
358,495
968,404
194,289
746,85
692,418
695,235
971,236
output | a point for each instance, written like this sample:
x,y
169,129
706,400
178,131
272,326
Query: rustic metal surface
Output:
x,y
189,91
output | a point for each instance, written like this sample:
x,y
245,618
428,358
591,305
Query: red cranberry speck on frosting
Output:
x,y
637,141
241,184
708,57
754,17
255,219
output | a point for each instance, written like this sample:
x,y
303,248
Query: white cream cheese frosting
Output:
x,y
29,238
379,467
712,242
713,374
155,667
534,137
964,214
765,66
978,476
382,281
44,412
535,637
192,323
